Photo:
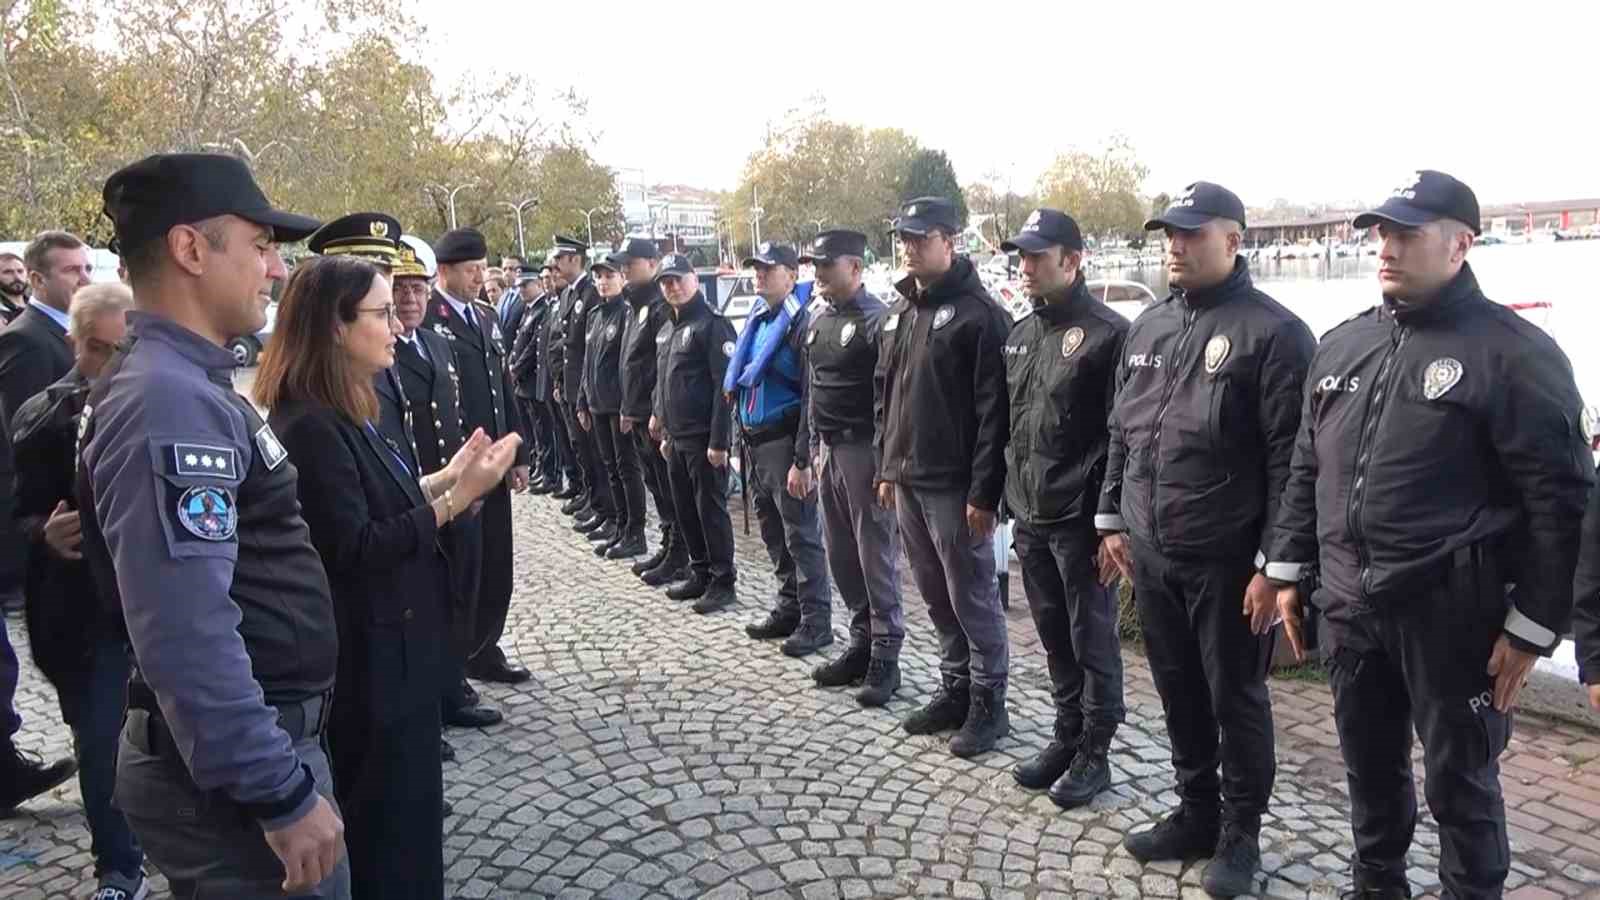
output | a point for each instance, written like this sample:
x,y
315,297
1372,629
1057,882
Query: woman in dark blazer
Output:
x,y
375,523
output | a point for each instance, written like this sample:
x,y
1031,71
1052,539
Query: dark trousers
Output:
x,y
566,454
1211,673
465,536
954,571
792,532
700,492
390,785
594,475
655,476
1419,660
94,709
204,843
863,544
10,671
494,581
1077,621
541,436
620,456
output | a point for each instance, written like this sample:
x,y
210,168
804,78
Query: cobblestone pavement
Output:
x,y
658,753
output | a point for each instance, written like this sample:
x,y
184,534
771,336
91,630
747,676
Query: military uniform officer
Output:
x,y
860,536
1439,478
696,423
1208,400
649,318
221,771
942,419
1061,363
487,402
599,411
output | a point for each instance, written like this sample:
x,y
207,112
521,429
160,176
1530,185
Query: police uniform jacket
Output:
x,y
648,316
601,390
377,537
196,524
1586,593
697,355
1208,401
1430,429
485,382
1061,364
525,350
580,300
841,354
942,409
432,395
547,375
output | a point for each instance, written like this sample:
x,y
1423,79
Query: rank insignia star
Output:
x,y
192,460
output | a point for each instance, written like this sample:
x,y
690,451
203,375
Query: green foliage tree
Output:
x,y
1098,189
930,174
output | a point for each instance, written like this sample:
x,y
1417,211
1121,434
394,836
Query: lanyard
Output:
x,y
392,451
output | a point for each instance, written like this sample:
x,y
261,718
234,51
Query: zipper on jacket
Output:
x,y
1161,417
1381,389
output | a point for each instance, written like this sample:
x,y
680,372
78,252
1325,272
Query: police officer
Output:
x,y
525,376
1061,363
649,319
487,402
766,381
1200,436
942,420
1439,480
577,301
548,341
197,525
842,352
600,409
695,425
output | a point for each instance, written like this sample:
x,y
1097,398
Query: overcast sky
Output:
x,y
1313,102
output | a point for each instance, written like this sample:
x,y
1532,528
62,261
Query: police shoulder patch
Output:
x,y
208,512
205,460
1217,353
1071,341
272,452
1440,376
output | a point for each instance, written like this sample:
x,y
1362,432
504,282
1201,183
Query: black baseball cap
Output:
x,y
1429,196
770,254
612,261
832,244
674,264
146,199
924,214
640,248
1198,204
1044,229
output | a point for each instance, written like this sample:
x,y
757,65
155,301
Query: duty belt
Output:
x,y
766,434
301,720
860,434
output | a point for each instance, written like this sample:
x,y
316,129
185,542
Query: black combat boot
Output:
x,y
946,711
1051,763
627,547
567,493
1185,833
987,722
718,595
1237,861
812,634
846,668
692,589
656,558
1089,774
604,540
880,682
775,625
589,522
574,502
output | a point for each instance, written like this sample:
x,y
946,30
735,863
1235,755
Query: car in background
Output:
x,y
1128,298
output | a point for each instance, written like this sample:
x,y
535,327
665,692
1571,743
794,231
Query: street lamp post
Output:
x,y
819,225
451,193
522,248
588,222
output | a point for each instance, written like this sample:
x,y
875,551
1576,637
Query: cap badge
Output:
x,y
911,210
1217,353
765,248
380,228
846,333
1071,341
1409,191
1440,376
943,317
1033,222
1186,198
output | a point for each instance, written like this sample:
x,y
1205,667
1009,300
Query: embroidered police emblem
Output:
x,y
1217,353
892,322
765,249
943,317
644,313
1033,222
208,513
272,452
1440,376
846,333
664,335
811,338
577,308
611,331
1071,341
203,459
727,349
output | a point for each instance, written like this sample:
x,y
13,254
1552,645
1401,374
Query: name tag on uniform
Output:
x,y
202,459
272,452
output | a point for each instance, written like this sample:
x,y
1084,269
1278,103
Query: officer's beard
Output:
x,y
14,291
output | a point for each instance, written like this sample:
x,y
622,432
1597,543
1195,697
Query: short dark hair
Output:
x,y
145,257
302,360
37,256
